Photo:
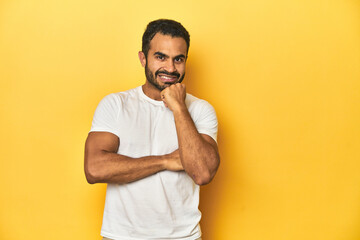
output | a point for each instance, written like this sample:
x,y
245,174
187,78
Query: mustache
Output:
x,y
175,74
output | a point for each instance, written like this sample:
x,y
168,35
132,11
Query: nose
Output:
x,y
170,66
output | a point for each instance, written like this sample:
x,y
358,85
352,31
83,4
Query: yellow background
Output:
x,y
284,77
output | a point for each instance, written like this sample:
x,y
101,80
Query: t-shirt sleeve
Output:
x,y
205,119
106,115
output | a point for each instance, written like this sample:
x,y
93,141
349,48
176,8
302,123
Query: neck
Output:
x,y
151,91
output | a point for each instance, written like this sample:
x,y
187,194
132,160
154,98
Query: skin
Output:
x,y
197,154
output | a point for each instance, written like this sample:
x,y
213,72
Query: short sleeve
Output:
x,y
205,119
106,115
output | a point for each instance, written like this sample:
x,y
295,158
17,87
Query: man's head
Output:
x,y
164,53
165,27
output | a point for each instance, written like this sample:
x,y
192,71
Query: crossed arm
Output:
x,y
104,165
197,154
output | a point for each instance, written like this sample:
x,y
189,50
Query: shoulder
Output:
x,y
200,109
120,97
196,104
203,115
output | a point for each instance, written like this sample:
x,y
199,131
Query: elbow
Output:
x,y
202,182
203,178
92,175
206,176
90,179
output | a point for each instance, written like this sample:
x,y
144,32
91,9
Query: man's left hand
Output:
x,y
174,96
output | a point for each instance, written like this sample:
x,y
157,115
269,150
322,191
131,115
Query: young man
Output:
x,y
154,145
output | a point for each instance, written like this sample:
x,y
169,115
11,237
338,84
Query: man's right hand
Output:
x,y
173,162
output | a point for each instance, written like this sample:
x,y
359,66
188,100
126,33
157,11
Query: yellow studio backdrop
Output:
x,y
284,77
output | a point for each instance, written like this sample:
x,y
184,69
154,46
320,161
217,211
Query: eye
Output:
x,y
160,57
179,60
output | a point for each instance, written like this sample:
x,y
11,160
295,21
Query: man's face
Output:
x,y
165,62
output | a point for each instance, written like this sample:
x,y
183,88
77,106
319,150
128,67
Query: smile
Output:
x,y
167,78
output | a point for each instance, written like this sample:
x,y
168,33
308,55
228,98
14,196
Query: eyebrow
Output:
x,y
164,55
161,54
180,56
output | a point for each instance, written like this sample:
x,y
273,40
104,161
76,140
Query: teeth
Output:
x,y
166,77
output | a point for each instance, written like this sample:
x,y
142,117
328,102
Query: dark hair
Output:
x,y
166,27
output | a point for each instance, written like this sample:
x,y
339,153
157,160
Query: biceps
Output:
x,y
101,141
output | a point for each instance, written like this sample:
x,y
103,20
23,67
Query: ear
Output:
x,y
142,58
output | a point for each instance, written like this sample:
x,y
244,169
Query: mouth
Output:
x,y
167,77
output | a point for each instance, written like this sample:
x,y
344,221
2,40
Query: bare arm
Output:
x,y
198,152
104,165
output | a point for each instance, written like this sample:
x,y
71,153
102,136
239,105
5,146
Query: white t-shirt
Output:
x,y
163,205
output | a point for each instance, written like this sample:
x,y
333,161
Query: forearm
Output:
x,y
103,165
108,167
198,152
199,158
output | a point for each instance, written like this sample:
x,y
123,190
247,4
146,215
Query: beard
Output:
x,y
151,78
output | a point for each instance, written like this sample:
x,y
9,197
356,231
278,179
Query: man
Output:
x,y
154,145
